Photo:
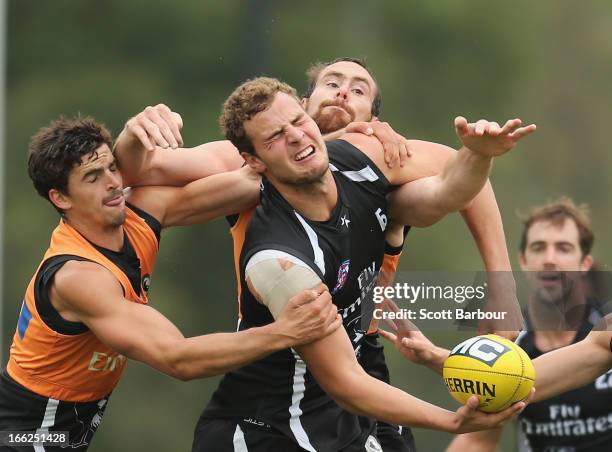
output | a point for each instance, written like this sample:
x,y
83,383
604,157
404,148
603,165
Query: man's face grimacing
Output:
x,y
553,259
344,93
288,145
94,194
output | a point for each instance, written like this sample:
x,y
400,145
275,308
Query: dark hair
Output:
x,y
557,212
56,149
313,72
250,98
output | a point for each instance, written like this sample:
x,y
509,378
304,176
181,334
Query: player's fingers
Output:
x,y
154,133
309,296
415,346
359,127
494,129
523,131
332,314
472,403
140,133
503,416
468,408
179,119
170,120
511,125
162,122
404,151
391,324
461,125
481,127
391,153
333,326
387,335
530,396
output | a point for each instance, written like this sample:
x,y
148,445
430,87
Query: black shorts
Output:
x,y
392,438
247,435
395,439
21,410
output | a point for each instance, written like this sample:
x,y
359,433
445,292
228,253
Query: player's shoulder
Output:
x,y
365,143
76,276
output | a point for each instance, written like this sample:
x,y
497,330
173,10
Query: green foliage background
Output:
x,y
549,62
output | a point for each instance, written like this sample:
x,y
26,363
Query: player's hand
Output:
x,y
156,126
395,146
487,138
469,419
410,342
309,315
501,298
418,349
415,346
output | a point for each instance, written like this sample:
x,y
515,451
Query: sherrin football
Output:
x,y
495,369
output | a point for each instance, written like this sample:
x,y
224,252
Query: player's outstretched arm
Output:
x,y
142,333
426,200
332,362
573,366
461,179
149,151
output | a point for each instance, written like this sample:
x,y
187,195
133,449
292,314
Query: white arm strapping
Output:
x,y
275,285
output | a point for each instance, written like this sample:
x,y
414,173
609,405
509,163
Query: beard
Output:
x,y
304,180
559,293
118,220
333,119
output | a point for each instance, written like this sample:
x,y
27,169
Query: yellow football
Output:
x,y
495,369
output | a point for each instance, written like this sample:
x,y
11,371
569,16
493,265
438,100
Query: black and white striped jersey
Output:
x,y
576,420
346,252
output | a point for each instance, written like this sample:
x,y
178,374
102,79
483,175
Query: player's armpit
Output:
x,y
273,277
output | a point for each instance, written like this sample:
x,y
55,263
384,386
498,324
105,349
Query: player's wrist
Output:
x,y
439,356
475,157
446,421
279,338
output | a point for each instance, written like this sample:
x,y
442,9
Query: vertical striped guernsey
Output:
x,y
346,252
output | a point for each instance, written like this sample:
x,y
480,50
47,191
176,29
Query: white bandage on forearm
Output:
x,y
274,284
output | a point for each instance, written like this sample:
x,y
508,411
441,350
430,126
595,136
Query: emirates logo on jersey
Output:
x,y
343,273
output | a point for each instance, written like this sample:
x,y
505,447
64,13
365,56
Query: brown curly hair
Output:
x,y
250,98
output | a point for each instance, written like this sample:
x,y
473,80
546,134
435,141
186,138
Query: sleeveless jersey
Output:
x,y
70,363
346,252
578,420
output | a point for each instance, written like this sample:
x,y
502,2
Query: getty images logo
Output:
x,y
481,348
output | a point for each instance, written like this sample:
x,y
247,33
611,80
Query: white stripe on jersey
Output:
x,y
520,337
366,174
47,422
298,394
319,259
239,441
